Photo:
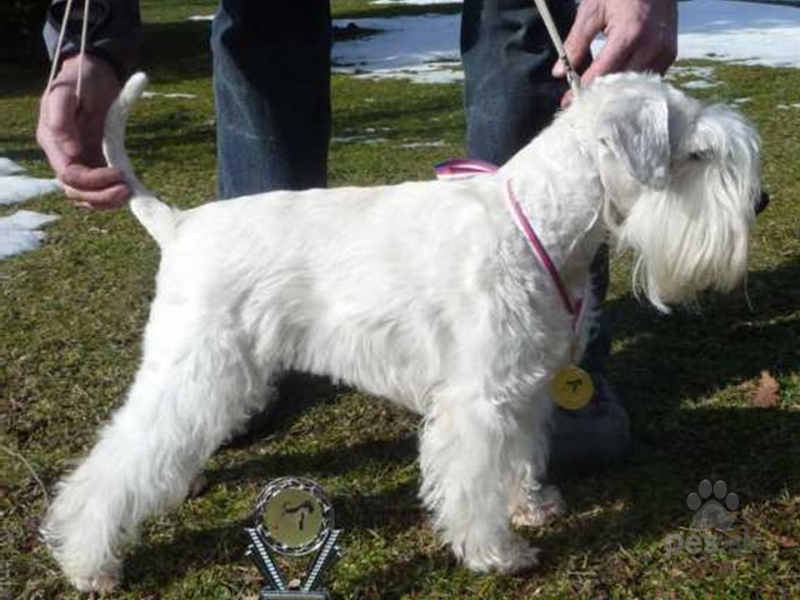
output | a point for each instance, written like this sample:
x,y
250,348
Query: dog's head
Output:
x,y
681,180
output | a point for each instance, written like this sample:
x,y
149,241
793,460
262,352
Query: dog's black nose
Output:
x,y
762,202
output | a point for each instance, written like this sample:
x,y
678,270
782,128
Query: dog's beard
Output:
x,y
687,239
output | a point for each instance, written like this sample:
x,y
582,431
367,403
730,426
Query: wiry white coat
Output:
x,y
423,293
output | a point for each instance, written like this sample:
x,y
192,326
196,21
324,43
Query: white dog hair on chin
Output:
x,y
691,211
424,293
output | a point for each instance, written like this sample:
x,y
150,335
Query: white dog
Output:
x,y
424,293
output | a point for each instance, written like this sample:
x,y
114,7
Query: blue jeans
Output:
x,y
509,94
272,92
272,86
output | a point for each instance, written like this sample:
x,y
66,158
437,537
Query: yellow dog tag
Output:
x,y
572,388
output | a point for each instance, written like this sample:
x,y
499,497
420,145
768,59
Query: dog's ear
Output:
x,y
636,131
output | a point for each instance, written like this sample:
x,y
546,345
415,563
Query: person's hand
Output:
x,y
641,35
71,133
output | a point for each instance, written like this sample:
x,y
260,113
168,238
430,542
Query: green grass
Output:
x,y
71,316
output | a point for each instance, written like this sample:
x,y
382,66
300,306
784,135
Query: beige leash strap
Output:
x,y
572,77
84,30
60,44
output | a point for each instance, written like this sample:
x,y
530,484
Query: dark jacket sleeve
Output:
x,y
114,31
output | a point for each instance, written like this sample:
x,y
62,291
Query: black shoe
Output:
x,y
593,437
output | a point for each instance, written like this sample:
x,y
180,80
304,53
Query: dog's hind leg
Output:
x,y
472,451
195,387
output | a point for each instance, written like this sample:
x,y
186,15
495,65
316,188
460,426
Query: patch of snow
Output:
x,y
696,72
16,187
169,95
788,106
435,72
346,139
436,144
699,84
19,188
200,18
740,32
423,49
349,139
19,232
9,167
742,100
699,78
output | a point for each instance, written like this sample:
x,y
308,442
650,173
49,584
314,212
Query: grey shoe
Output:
x,y
595,436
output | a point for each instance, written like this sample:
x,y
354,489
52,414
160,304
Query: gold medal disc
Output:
x,y
572,388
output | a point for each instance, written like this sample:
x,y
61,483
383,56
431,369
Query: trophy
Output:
x,y
293,517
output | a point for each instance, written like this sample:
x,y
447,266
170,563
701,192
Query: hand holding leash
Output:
x,y
641,35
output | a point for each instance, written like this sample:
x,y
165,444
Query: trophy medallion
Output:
x,y
293,518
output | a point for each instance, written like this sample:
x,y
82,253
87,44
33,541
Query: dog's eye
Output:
x,y
698,156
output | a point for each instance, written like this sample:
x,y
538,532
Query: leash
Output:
x,y
84,31
572,76
60,44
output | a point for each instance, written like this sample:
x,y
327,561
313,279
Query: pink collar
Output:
x,y
462,168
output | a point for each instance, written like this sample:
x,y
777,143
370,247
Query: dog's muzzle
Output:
x,y
763,201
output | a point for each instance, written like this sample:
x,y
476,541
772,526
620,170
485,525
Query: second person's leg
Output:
x,y
272,94
510,96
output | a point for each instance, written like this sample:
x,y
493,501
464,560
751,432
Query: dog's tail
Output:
x,y
159,219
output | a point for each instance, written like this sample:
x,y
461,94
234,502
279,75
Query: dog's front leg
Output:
x,y
535,503
193,389
471,453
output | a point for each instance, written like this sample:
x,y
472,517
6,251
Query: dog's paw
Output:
x,y
538,507
103,583
515,557
79,574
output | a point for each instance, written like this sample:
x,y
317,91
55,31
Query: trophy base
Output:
x,y
294,595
